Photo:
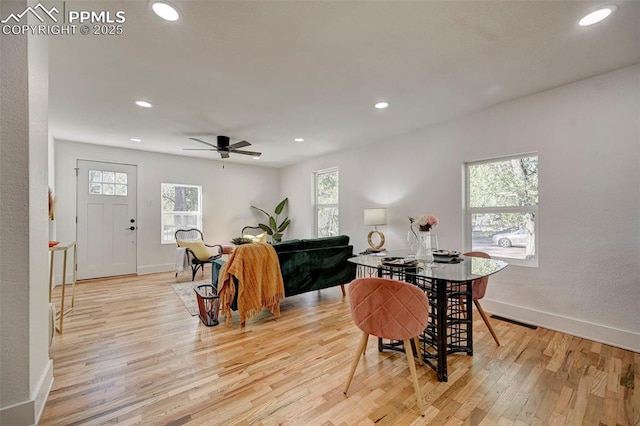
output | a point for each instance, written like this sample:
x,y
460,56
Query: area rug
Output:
x,y
185,292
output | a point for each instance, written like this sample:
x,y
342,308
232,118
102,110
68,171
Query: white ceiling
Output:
x,y
269,72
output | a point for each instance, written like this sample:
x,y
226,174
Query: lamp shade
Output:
x,y
377,216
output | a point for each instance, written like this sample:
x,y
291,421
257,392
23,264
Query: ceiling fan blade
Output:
x,y
201,141
199,149
255,154
224,154
240,144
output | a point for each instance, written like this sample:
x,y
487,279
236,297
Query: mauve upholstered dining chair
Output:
x,y
389,309
479,289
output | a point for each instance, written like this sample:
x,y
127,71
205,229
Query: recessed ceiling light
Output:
x,y
382,105
299,139
597,16
256,157
165,10
135,140
143,104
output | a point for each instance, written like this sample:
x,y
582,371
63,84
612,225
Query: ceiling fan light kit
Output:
x,y
225,148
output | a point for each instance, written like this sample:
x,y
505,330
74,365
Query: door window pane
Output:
x,y
101,182
121,178
108,189
95,176
121,190
108,177
95,188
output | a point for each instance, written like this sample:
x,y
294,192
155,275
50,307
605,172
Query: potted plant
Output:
x,y
274,228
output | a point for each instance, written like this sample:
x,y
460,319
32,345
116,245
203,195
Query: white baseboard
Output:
x,y
141,270
600,333
43,390
28,412
152,269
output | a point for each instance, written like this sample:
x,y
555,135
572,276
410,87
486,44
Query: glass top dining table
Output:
x,y
467,269
448,286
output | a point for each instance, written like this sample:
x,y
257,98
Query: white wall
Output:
x,y
587,136
25,367
227,195
41,367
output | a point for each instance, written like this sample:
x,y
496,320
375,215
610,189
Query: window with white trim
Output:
x,y
327,207
502,208
181,209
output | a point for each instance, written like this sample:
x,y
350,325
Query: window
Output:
x,y
107,183
502,208
327,205
181,209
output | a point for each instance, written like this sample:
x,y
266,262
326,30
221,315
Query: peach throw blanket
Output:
x,y
260,281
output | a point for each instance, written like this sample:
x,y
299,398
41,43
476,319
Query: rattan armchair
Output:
x,y
197,251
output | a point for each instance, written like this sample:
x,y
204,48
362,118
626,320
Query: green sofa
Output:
x,y
314,264
310,264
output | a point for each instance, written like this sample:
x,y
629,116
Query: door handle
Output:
x,y
131,228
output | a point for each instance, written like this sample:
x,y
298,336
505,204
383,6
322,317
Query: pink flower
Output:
x,y
425,222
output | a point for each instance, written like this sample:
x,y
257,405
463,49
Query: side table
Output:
x,y
64,248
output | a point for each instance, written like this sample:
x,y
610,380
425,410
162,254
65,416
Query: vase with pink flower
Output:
x,y
427,242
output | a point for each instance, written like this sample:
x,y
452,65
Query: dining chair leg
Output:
x,y
344,293
354,364
486,321
414,374
416,340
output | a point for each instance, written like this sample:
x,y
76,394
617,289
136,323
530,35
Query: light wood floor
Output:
x,y
131,354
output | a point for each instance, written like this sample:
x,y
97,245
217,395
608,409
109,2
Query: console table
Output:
x,y
64,248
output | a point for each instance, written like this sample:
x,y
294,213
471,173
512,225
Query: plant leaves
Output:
x,y
284,225
277,237
259,209
280,206
283,221
265,228
272,223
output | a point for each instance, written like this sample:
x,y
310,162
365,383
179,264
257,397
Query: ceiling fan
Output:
x,y
224,148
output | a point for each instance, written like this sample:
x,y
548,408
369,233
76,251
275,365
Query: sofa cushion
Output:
x,y
289,245
260,238
340,240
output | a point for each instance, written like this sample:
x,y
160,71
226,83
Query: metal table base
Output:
x,y
450,319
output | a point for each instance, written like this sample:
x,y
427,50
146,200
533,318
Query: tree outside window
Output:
x,y
181,209
502,208
327,203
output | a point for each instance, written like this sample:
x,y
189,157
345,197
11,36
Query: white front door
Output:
x,y
106,219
